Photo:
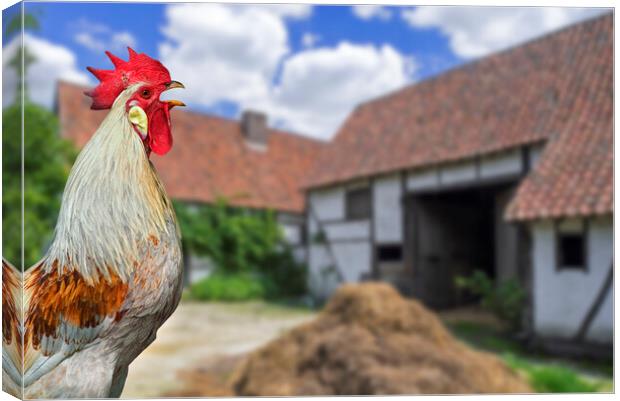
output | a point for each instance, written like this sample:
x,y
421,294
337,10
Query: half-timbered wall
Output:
x,y
341,250
338,249
564,296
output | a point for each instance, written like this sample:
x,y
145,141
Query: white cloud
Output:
x,y
477,31
99,37
116,42
368,12
223,52
122,40
292,11
241,54
52,62
320,87
309,39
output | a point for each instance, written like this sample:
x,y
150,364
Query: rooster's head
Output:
x,y
149,115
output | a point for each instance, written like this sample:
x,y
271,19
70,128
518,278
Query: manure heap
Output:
x,y
370,340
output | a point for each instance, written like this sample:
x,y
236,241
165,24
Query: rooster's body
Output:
x,y
113,273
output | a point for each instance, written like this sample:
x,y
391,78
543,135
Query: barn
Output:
x,y
251,165
503,165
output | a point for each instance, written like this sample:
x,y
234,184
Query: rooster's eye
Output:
x,y
146,93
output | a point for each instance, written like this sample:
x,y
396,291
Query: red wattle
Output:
x,y
160,136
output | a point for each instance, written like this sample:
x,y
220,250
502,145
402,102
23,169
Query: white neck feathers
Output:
x,y
112,203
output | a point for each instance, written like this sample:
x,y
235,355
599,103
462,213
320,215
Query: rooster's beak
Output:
x,y
172,103
174,84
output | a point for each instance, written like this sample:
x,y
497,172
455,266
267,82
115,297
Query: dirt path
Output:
x,y
198,332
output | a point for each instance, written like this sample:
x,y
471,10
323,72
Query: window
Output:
x,y
358,204
389,253
571,247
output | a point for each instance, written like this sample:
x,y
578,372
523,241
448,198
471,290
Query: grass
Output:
x,y
545,374
554,378
228,287
485,337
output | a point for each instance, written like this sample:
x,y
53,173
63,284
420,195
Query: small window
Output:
x,y
571,248
389,253
358,204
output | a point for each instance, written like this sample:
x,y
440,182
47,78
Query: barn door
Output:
x,y
430,268
443,238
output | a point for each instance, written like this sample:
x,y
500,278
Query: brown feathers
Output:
x,y
65,298
11,288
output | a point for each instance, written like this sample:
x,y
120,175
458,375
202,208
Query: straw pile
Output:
x,y
370,340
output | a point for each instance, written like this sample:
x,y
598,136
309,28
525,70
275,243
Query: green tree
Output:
x,y
46,165
242,243
234,239
22,56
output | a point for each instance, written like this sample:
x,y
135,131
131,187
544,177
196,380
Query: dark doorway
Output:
x,y
452,233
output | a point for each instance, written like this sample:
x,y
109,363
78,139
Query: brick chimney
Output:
x,y
254,127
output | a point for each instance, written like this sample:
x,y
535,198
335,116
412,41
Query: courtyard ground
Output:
x,y
201,332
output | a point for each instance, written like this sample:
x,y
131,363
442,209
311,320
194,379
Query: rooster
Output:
x,y
113,272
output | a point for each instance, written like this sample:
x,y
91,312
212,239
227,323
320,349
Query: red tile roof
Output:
x,y
557,88
575,174
210,157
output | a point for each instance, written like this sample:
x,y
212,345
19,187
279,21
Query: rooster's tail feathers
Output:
x,y
12,313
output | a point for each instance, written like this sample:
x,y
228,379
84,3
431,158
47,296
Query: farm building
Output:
x,y
252,166
504,165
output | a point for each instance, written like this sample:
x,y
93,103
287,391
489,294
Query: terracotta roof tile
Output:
x,y
210,157
557,88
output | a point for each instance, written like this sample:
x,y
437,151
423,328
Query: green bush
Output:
x,y
228,287
243,244
282,276
505,299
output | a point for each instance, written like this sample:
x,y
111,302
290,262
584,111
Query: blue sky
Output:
x,y
305,66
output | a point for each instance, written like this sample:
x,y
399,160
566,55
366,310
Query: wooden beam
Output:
x,y
596,305
327,244
374,268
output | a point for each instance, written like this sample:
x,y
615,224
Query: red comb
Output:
x,y
139,68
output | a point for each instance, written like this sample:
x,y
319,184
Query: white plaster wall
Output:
x,y
458,173
602,326
353,259
313,226
200,267
299,253
292,233
349,242
328,204
562,298
501,164
348,230
424,179
388,223
320,283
